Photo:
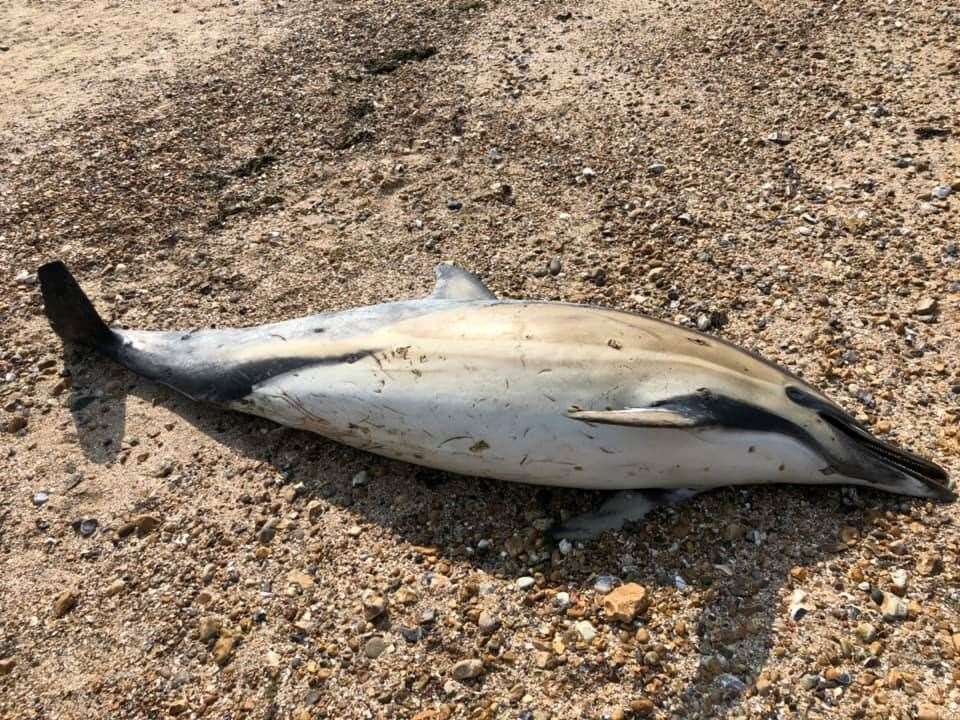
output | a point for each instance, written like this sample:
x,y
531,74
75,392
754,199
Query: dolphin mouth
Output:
x,y
878,462
933,478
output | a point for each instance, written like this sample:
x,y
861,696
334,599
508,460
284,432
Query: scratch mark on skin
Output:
x,y
549,398
523,459
479,446
455,437
277,335
545,370
608,452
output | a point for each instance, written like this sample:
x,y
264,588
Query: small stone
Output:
x,y
731,684
143,524
266,533
565,546
926,711
656,169
374,647
360,479
40,498
899,579
466,669
223,650
866,632
929,564
810,681
87,527
25,278
605,583
926,306
14,424
625,602
585,630
555,266
893,608
295,577
7,665
642,706
941,192
209,628
115,588
314,510
488,623
373,606
454,205
412,635
588,172
178,707
799,605
763,685
703,322
779,138
354,531
525,583
542,659
64,602
562,600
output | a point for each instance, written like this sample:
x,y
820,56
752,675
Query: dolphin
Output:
x,y
526,391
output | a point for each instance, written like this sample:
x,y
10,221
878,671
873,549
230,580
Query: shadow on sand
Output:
x,y
734,548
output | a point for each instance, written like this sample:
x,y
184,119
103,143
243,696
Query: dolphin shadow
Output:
x,y
737,551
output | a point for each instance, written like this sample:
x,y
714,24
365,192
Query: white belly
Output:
x,y
509,422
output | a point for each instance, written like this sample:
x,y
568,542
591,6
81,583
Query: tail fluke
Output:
x,y
70,312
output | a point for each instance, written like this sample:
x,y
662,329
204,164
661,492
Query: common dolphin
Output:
x,y
526,391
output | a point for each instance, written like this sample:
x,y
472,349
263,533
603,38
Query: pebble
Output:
x,y
25,278
779,138
88,527
360,479
899,579
223,650
374,647
373,606
115,588
266,533
562,600
15,424
64,602
605,583
926,306
731,683
354,531
466,669
209,628
926,711
555,266
656,169
866,632
625,602
588,172
525,583
454,205
893,608
585,630
40,498
929,564
295,577
941,192
488,623
7,665
799,605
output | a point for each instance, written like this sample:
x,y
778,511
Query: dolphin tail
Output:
x,y
70,312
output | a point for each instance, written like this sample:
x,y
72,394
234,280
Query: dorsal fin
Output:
x,y
454,283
